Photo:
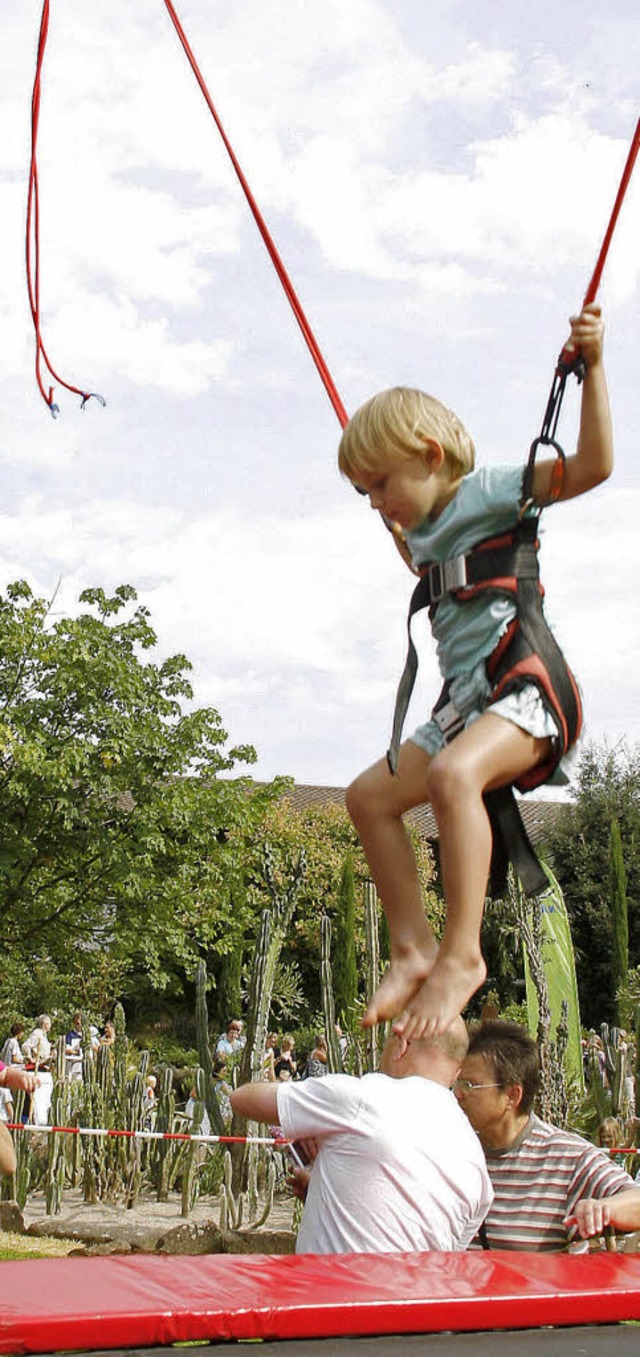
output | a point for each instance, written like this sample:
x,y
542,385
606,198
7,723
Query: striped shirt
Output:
x,y
539,1180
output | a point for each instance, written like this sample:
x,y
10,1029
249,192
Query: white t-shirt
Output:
x,y
11,1053
6,1104
37,1047
399,1167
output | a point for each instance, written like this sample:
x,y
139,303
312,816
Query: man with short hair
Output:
x,y
398,1167
551,1186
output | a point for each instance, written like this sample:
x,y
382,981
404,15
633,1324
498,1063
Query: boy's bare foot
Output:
x,y
444,994
403,980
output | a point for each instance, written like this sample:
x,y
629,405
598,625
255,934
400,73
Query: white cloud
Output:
x,y
282,616
424,176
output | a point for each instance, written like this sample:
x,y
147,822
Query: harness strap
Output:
x,y
511,843
499,563
527,653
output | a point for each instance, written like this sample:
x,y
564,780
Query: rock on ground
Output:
x,y
154,1226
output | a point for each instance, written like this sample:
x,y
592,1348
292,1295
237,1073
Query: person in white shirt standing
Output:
x,y
396,1168
37,1053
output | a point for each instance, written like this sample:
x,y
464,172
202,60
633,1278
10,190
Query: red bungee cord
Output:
x,y
569,362
33,238
294,301
590,294
563,365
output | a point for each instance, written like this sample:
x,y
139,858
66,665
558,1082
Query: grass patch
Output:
x,y
30,1246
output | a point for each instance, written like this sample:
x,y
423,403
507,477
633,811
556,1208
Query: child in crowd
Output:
x,y
415,461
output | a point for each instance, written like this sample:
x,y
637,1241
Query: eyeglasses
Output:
x,y
468,1087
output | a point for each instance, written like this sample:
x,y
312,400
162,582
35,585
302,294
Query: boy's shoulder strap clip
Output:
x,y
496,562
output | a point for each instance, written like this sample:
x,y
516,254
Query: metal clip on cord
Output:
x,y
547,436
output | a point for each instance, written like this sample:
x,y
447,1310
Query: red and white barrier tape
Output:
x,y
277,1141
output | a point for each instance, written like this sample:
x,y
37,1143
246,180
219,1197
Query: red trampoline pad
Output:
x,y
123,1302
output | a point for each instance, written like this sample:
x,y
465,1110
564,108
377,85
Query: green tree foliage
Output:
x,y
325,833
229,989
607,788
619,908
121,839
343,961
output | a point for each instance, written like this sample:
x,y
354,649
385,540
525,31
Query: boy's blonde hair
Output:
x,y
401,421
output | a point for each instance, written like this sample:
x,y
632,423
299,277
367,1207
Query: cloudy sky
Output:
x,y
438,178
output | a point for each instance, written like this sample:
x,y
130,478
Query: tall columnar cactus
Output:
x,y
189,1156
637,1079
109,1101
326,985
372,966
615,1063
204,1051
552,1099
274,928
164,1122
232,1202
599,1095
345,966
55,1171
15,1187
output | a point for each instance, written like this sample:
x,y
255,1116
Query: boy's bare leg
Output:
x,y
376,802
490,753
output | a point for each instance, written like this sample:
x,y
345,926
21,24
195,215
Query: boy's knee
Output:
x,y
447,780
357,800
368,795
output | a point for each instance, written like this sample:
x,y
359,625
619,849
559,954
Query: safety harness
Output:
x,y
527,653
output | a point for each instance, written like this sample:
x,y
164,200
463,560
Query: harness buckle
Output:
x,y
447,576
448,720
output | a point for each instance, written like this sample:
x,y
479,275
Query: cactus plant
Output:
x,y
326,985
188,1160
274,928
204,1051
372,967
552,1101
15,1187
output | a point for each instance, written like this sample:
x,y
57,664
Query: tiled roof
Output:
x,y
537,815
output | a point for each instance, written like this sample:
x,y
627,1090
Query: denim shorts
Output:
x,y
525,708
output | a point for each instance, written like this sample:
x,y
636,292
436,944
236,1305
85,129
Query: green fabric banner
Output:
x,y
560,974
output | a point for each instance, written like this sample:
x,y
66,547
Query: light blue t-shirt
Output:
x,y
486,504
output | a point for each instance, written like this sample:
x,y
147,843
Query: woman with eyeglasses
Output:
x,y
553,1189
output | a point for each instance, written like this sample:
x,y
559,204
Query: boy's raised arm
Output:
x,y
592,461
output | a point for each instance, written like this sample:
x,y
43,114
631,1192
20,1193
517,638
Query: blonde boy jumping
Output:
x,y
415,461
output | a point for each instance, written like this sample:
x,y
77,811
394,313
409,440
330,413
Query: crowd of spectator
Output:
x,y
594,1058
37,1054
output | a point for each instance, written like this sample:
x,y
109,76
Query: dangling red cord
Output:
x,y
33,238
294,301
